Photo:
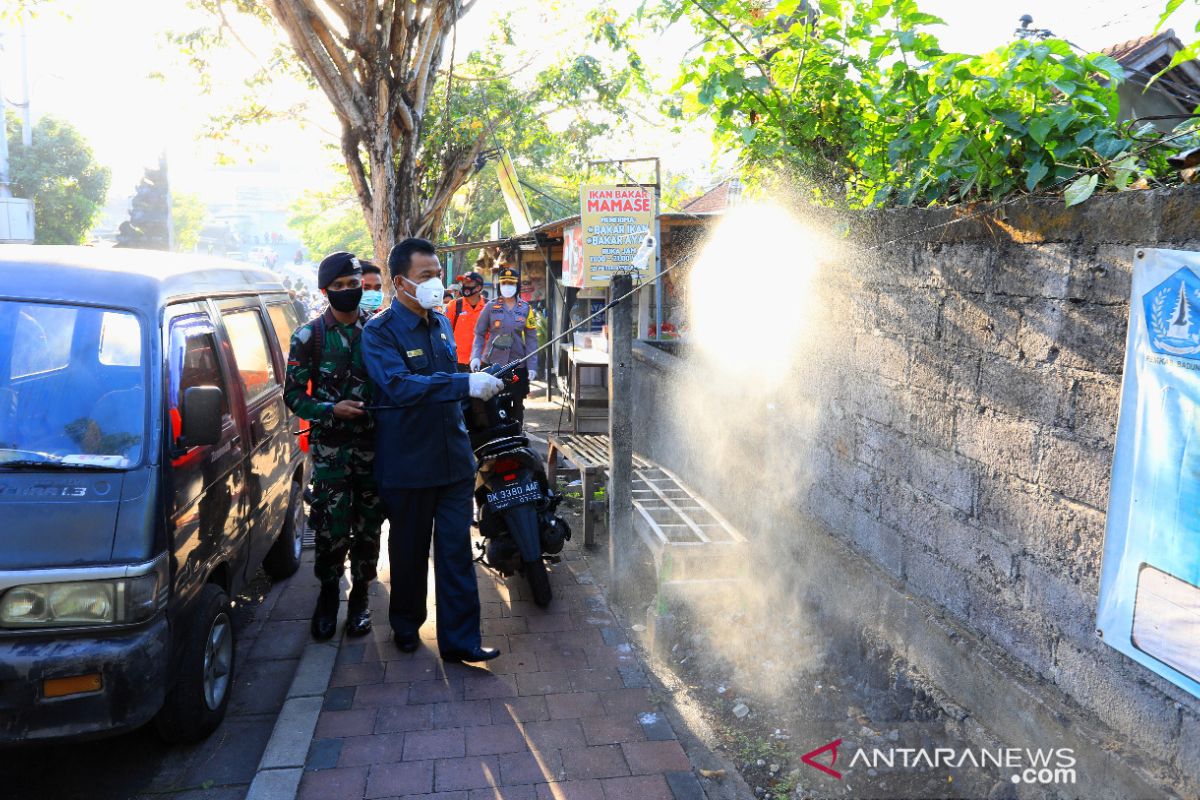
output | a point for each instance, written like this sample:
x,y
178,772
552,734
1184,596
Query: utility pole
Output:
x,y
620,437
5,190
26,111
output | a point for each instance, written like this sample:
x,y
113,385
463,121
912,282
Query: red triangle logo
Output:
x,y
807,758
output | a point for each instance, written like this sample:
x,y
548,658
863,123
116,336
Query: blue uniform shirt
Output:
x,y
413,363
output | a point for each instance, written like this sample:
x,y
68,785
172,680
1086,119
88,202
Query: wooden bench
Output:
x,y
590,453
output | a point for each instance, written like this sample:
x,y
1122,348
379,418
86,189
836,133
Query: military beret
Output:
x,y
335,265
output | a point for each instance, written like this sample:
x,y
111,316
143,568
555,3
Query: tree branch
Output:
x,y
314,56
358,176
334,50
431,53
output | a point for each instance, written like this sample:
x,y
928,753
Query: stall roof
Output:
x,y
556,226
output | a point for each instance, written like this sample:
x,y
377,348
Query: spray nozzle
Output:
x,y
642,258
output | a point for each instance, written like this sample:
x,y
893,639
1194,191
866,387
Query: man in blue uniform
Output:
x,y
423,460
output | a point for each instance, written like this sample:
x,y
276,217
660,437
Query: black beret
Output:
x,y
335,265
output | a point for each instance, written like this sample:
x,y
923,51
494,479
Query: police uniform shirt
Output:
x,y
503,334
413,363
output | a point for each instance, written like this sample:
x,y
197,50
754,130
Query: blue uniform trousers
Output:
x,y
443,514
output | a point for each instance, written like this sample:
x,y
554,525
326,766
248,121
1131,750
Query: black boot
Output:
x,y
358,613
324,618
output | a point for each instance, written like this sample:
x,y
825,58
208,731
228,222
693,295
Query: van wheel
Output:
x,y
196,704
283,559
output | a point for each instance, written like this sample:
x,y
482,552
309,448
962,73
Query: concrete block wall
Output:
x,y
966,442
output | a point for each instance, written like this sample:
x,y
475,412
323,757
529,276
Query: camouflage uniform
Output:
x,y
345,512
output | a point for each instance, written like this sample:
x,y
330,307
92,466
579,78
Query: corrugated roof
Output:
x,y
715,199
1126,51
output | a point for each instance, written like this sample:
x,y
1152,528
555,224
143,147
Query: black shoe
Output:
x,y
358,614
324,618
478,654
407,644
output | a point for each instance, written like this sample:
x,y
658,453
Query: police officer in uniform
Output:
x,y
424,463
327,384
505,331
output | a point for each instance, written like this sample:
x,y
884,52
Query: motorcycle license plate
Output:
x,y
514,495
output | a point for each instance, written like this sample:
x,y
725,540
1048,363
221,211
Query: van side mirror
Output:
x,y
201,416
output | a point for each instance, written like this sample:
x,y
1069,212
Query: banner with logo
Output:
x,y
615,221
1150,579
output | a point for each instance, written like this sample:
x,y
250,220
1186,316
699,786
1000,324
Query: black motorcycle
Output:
x,y
515,503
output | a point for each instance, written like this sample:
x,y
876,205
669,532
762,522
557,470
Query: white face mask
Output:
x,y
429,293
508,290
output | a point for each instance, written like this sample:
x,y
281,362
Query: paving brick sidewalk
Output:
x,y
566,713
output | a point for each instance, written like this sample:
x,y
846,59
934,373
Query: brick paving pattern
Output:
x,y
565,713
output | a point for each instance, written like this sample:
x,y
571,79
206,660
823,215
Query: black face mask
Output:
x,y
344,300
470,291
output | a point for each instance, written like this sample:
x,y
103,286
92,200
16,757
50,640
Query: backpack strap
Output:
x,y
458,309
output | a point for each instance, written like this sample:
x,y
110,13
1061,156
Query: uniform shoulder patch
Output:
x,y
304,333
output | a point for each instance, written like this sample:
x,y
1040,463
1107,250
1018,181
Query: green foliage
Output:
x,y
857,98
331,221
20,10
187,220
60,174
1190,50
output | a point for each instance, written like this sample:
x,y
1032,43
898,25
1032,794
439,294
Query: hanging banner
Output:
x,y
615,220
514,198
573,256
1150,579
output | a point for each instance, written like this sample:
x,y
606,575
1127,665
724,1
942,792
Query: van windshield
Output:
x,y
72,387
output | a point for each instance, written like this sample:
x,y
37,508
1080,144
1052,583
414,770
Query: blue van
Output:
x,y
147,470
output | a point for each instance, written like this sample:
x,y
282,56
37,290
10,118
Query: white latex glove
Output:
x,y
532,374
475,364
484,386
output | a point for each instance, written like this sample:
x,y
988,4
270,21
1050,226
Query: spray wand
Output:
x,y
640,261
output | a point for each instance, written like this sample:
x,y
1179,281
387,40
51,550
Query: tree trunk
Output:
x,y
382,218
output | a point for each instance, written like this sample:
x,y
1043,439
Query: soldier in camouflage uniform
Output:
x,y
328,385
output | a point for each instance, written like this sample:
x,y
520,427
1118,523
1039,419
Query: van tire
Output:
x,y
187,714
283,559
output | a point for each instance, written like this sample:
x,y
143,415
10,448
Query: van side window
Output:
x,y
120,340
284,321
254,363
193,362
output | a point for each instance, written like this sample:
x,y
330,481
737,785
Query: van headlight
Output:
x,y
119,601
